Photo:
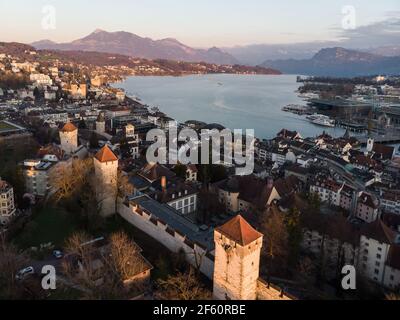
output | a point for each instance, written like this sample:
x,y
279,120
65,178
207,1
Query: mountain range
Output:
x,y
129,44
301,58
258,53
339,62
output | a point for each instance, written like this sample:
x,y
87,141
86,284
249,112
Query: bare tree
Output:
x,y
10,262
125,259
123,188
68,179
392,296
182,286
80,267
276,244
101,272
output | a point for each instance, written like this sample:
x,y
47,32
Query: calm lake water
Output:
x,y
235,101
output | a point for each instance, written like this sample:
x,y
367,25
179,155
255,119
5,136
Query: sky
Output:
x,y
199,23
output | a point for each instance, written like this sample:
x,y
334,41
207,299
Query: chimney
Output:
x,y
164,183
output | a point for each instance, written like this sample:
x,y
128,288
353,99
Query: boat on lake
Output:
x,y
321,120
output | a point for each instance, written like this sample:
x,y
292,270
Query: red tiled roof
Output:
x,y
69,127
240,231
377,230
106,155
385,152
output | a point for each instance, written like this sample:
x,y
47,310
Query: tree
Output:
x,y
10,262
125,261
67,180
94,141
294,235
392,297
82,124
79,268
314,201
90,208
209,206
124,147
102,271
275,247
182,286
123,188
180,170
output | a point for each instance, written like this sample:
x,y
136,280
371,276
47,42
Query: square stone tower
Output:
x,y
237,260
101,123
69,138
106,172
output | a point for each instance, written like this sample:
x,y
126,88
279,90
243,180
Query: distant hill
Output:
x,y
15,48
126,43
131,65
339,62
388,51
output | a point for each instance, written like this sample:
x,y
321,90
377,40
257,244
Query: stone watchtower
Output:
x,y
106,173
69,138
237,260
101,123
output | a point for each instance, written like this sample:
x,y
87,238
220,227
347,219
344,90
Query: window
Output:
x,y
376,271
378,256
377,263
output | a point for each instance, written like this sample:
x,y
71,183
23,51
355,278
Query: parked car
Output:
x,y
58,254
22,274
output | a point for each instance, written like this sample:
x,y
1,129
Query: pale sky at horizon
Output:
x,y
202,23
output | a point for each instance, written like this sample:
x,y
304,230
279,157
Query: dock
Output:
x,y
354,127
383,139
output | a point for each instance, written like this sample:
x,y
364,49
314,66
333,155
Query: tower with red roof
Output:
x,y
106,173
69,138
237,259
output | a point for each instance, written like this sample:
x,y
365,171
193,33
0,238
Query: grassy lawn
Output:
x,y
48,225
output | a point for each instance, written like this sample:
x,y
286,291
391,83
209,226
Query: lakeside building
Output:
x,y
342,108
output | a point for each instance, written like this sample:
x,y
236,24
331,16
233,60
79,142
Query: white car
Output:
x,y
58,254
25,272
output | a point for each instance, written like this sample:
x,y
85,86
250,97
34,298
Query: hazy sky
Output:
x,y
199,23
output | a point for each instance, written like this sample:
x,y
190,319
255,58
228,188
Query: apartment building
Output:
x,y
7,204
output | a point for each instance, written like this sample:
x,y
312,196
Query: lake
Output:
x,y
235,101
